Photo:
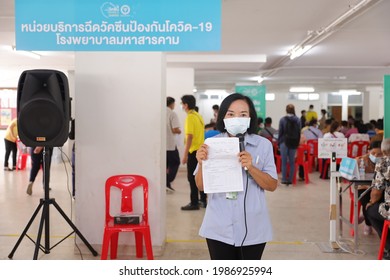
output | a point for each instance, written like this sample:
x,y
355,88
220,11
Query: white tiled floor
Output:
x,y
300,217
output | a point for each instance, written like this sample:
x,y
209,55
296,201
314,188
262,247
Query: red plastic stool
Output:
x,y
385,229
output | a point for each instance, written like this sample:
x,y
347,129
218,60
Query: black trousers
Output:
x,y
377,221
363,201
191,166
10,147
37,161
222,251
173,163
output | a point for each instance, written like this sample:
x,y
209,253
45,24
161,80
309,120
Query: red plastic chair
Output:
x,y
302,159
277,156
313,144
126,184
385,230
358,148
326,165
23,155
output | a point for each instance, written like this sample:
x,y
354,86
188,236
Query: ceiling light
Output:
x,y
349,92
215,91
260,79
301,89
27,53
298,51
270,96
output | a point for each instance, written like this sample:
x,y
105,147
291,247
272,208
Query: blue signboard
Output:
x,y
348,168
118,25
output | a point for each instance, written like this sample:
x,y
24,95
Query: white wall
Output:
x,y
373,97
120,129
180,81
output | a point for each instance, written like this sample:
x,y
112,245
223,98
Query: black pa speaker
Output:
x,y
43,108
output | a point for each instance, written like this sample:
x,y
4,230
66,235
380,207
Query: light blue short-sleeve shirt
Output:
x,y
224,219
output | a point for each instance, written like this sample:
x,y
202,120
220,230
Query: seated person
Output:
x,y
378,206
268,131
333,133
370,159
210,130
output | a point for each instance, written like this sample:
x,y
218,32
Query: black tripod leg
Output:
x,y
10,256
74,228
39,237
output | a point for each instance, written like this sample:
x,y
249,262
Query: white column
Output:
x,y
344,106
120,129
180,81
373,97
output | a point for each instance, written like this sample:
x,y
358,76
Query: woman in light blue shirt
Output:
x,y
237,225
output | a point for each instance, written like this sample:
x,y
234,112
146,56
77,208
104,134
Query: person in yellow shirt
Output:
x,y
193,139
311,114
11,136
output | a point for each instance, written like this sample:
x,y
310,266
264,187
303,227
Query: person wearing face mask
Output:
x,y
370,159
237,225
378,207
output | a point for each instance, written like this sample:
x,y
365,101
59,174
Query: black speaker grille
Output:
x,y
41,120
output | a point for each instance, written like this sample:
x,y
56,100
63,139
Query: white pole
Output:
x,y
333,199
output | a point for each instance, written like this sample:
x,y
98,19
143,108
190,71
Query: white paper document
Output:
x,y
222,171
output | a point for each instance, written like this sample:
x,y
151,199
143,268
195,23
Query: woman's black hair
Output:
x,y
223,108
375,144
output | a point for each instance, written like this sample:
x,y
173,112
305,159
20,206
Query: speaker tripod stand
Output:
x,y
44,204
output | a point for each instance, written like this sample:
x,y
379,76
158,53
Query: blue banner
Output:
x,y
118,25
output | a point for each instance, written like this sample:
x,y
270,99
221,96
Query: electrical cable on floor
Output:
x,y
70,194
246,225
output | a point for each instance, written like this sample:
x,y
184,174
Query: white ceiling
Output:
x,y
355,56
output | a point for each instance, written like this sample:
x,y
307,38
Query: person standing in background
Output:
x,y
311,114
173,128
303,118
194,138
322,119
10,139
215,113
38,161
288,141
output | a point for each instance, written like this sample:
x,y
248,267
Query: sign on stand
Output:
x,y
332,148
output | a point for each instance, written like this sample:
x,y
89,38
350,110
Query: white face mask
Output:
x,y
236,125
374,159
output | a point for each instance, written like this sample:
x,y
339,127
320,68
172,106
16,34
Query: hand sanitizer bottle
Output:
x,y
362,169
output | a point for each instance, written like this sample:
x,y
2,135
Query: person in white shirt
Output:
x,y
334,131
173,128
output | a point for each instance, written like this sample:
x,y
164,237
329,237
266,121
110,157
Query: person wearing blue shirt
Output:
x,y
210,131
237,225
